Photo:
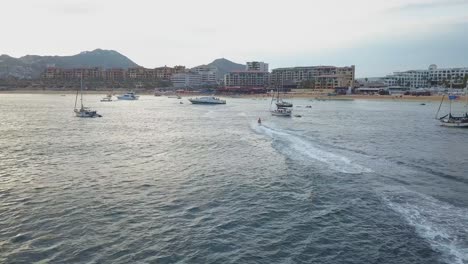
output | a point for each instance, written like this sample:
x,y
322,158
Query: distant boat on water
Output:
x,y
128,96
108,98
207,100
332,98
83,111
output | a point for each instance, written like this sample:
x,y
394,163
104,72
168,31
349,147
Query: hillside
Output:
x,y
31,66
224,66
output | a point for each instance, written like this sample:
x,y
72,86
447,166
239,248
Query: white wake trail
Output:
x,y
300,148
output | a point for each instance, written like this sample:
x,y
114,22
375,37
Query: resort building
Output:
x,y
247,79
186,79
86,73
256,66
314,77
208,74
115,74
137,73
431,77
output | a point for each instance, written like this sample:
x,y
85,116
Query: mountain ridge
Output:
x,y
224,66
31,66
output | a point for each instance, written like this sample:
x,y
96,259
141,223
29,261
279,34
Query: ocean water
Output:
x,y
155,181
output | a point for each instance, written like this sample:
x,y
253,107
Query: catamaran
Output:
x,y
450,120
83,111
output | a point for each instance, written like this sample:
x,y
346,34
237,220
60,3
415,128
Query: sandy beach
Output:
x,y
287,95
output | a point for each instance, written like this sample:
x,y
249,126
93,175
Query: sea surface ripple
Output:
x,y
155,181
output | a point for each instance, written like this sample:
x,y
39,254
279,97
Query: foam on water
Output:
x,y
443,225
299,147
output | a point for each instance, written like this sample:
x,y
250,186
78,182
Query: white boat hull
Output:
x,y
207,100
281,113
448,123
128,98
86,113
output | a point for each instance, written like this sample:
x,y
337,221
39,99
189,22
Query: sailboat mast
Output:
x,y
450,100
76,97
81,85
466,99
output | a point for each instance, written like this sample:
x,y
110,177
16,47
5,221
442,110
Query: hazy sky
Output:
x,y
378,36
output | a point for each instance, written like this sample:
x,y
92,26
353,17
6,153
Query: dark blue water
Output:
x,y
155,181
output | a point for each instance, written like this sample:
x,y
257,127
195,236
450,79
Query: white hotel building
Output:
x,y
256,66
208,74
433,76
186,79
255,75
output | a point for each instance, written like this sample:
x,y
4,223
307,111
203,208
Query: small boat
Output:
x,y
128,96
84,111
108,98
281,112
332,98
308,106
207,100
259,121
297,116
422,104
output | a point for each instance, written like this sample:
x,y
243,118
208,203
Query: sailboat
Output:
x,y
280,102
280,110
83,111
450,120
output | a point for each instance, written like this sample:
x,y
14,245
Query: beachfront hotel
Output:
x,y
208,74
97,73
246,79
433,76
186,79
255,75
316,77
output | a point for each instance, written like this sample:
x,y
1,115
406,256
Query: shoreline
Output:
x,y
253,96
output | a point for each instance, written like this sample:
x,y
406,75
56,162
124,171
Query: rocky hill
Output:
x,y
224,66
31,66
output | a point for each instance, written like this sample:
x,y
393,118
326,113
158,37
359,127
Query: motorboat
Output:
x,y
207,100
108,98
128,96
280,111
